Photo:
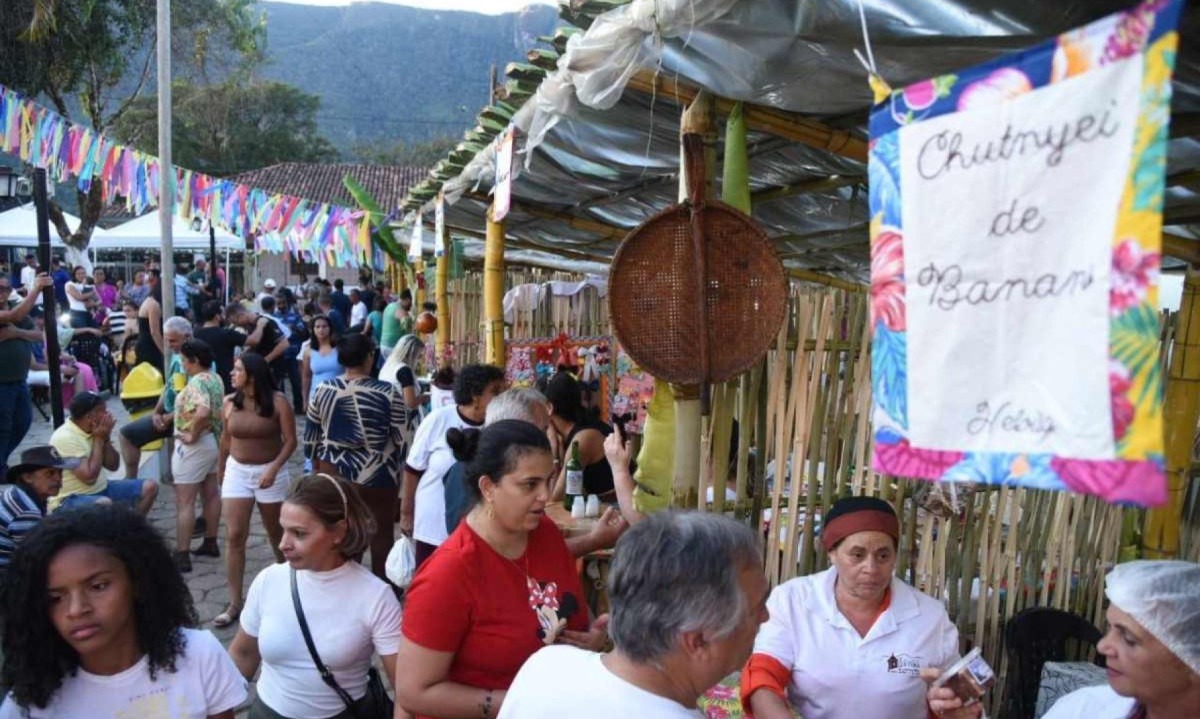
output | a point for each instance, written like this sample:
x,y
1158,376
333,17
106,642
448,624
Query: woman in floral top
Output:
x,y
194,461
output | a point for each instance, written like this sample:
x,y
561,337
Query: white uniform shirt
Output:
x,y
563,681
1099,702
836,674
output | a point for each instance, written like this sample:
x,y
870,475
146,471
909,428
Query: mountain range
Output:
x,y
388,73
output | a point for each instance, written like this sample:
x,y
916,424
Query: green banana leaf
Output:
x,y
383,232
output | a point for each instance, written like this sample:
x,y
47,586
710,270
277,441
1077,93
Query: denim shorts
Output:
x,y
123,491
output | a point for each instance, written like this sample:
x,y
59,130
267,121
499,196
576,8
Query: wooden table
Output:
x,y
570,526
593,568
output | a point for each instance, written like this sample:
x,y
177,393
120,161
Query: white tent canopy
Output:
x,y
143,232
18,228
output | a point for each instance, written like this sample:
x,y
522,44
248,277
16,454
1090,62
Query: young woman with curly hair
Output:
x,y
98,624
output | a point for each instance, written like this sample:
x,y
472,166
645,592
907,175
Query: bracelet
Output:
x,y
487,705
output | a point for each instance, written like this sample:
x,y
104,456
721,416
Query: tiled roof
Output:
x,y
388,184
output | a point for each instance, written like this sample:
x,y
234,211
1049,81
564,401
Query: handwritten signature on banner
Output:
x,y
277,222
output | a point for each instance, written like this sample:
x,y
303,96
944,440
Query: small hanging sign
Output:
x,y
414,245
1016,230
503,195
439,226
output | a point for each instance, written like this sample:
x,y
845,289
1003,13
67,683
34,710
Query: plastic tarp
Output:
x,y
596,152
144,231
18,228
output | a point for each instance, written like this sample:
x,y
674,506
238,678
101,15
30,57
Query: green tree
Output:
x,y
92,60
426,154
232,126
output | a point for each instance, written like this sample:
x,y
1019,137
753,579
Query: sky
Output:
x,y
490,7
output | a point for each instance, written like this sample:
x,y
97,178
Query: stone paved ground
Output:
x,y
207,578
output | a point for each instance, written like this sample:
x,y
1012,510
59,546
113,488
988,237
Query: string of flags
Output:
x,y
277,222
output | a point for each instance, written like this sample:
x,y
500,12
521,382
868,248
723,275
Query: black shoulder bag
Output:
x,y
375,704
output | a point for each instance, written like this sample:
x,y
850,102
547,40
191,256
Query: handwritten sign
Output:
x,y
1015,239
415,244
504,157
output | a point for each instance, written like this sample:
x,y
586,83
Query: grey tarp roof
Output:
x,y
598,173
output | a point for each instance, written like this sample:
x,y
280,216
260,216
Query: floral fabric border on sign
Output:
x,y
1016,230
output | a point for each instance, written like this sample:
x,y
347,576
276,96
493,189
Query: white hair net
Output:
x,y
1164,597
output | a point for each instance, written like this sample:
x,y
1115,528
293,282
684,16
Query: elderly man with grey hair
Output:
x,y
528,405
688,594
523,403
160,423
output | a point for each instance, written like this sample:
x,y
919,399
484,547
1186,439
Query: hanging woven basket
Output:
x,y
697,293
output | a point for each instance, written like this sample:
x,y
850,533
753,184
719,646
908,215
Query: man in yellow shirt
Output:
x,y
87,436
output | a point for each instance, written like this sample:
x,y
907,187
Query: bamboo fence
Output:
x,y
582,315
987,551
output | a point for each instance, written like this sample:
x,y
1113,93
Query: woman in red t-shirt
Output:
x,y
500,588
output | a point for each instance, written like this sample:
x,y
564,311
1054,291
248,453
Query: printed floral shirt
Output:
x,y
202,390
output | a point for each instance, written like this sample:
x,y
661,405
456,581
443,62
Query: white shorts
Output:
x,y
191,463
241,482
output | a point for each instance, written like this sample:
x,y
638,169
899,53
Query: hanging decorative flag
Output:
x,y
439,225
414,246
503,193
276,222
1016,229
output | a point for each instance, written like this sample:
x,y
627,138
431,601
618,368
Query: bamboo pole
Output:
x,y
419,294
493,292
442,292
735,192
689,429
1182,407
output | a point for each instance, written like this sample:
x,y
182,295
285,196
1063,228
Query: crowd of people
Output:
x,y
98,621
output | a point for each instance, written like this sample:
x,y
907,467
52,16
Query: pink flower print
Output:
x,y
887,280
999,87
904,460
722,692
1122,406
1133,272
921,95
717,712
1129,36
1141,482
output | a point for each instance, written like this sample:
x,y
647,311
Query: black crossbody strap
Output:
x,y
326,675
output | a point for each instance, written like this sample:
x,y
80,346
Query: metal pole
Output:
x,y
166,198
166,190
41,203
213,285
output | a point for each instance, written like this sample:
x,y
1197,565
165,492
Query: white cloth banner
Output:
x,y
1009,266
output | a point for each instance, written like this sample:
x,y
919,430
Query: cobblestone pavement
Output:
x,y
207,578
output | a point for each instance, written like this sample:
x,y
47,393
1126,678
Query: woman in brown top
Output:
x,y
258,438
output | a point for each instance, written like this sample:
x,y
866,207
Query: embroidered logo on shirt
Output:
x,y
905,664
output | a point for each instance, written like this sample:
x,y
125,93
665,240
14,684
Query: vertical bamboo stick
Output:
x,y
809,386
442,292
760,443
493,292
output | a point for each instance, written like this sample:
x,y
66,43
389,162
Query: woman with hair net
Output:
x,y
1152,647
